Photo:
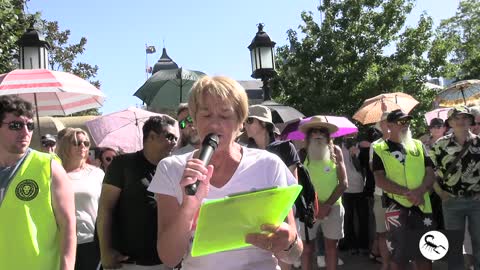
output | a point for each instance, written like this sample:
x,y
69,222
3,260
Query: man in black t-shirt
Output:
x,y
127,215
404,171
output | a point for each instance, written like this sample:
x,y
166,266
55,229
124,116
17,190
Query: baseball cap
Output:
x,y
48,138
459,110
396,115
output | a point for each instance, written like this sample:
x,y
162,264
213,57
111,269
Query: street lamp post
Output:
x,y
263,59
33,49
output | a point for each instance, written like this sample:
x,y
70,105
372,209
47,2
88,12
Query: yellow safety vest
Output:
x,y
409,175
323,174
29,236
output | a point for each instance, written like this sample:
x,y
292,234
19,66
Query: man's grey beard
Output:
x,y
406,137
318,151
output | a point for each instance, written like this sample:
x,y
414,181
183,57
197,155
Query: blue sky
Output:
x,y
211,36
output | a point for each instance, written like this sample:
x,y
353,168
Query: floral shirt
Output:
x,y
464,178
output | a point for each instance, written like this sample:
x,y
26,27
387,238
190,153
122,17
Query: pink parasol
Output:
x,y
437,113
345,127
52,92
120,130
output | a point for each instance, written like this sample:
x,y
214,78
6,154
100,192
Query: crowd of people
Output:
x,y
73,206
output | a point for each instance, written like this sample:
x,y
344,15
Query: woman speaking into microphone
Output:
x,y
219,105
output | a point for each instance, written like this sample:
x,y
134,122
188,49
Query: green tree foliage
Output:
x,y
62,56
12,26
456,47
332,67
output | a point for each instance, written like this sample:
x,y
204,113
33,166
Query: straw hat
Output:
x,y
318,121
261,113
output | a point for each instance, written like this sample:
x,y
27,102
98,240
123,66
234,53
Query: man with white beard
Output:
x,y
405,172
324,162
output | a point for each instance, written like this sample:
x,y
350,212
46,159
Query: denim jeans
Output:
x,y
455,212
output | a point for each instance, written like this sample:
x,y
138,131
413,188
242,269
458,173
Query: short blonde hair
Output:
x,y
225,88
66,142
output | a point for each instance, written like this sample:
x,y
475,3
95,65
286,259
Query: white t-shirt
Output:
x,y
87,186
257,169
356,181
378,191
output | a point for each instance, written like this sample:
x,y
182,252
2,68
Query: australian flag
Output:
x,y
150,49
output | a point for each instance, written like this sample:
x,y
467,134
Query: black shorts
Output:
x,y
405,226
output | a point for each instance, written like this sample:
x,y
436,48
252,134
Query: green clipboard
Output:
x,y
223,223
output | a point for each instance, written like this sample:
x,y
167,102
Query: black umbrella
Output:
x,y
282,113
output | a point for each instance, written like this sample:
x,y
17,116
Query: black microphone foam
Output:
x,y
209,145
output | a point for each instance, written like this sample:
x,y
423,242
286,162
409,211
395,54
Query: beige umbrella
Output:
x,y
372,108
465,92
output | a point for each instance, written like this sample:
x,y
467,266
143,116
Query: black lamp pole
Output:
x,y
263,60
33,54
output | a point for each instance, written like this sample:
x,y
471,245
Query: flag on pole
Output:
x,y
150,49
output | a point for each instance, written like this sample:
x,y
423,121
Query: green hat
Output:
x,y
460,110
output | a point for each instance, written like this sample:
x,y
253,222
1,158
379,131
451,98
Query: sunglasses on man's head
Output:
x,y
78,143
183,123
17,125
403,122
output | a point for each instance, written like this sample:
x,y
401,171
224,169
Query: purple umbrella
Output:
x,y
345,127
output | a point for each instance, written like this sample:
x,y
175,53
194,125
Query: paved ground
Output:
x,y
355,262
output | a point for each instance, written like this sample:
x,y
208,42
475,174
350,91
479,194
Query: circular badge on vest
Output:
x,y
27,190
327,169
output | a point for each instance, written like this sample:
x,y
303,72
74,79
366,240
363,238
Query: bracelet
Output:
x,y
292,244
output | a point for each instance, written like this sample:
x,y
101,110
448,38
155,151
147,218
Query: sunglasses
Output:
x,y
476,124
170,137
403,122
48,144
250,120
108,159
183,123
78,143
17,125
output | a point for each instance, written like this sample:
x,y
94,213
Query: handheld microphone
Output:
x,y
209,145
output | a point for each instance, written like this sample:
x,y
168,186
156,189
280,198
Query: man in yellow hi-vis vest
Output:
x,y
37,212
405,173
